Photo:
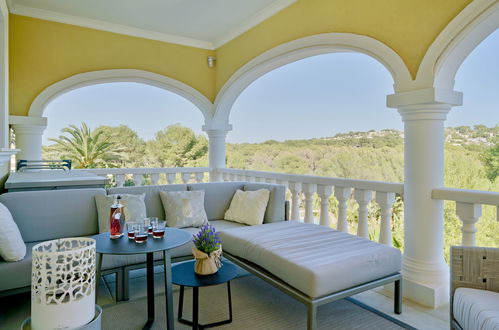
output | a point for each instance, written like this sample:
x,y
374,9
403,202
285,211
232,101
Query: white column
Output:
x,y
4,78
216,151
324,192
385,201
342,194
363,198
28,132
469,215
426,275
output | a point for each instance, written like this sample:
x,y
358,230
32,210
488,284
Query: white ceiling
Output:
x,y
199,23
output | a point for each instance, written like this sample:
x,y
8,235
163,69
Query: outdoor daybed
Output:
x,y
313,264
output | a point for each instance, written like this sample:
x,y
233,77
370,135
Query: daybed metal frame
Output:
x,y
313,303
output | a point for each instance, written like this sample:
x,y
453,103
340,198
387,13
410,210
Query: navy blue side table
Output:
x,y
183,275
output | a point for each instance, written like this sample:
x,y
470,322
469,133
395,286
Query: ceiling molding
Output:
x,y
106,26
252,21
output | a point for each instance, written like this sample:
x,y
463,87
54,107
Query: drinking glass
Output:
x,y
150,223
141,233
130,227
158,229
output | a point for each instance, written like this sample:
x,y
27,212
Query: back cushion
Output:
x,y
217,196
154,207
277,198
50,214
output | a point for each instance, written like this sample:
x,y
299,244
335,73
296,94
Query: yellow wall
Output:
x,y
407,26
43,52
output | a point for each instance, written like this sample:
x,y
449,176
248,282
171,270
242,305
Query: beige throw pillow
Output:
x,y
248,207
184,208
12,247
135,208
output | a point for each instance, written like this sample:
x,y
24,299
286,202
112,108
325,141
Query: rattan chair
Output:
x,y
473,267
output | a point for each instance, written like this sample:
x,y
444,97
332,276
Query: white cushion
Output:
x,y
313,259
248,207
134,207
476,309
184,208
12,247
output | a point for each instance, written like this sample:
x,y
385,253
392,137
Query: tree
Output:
x,y
128,148
491,162
86,148
177,146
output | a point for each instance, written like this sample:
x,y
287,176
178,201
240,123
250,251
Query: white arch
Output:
x,y
456,41
120,75
302,48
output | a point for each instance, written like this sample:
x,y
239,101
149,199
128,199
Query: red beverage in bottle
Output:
x,y
140,238
116,219
160,233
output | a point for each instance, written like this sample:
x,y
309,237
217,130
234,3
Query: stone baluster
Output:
x,y
171,177
342,194
240,177
226,177
260,180
270,180
324,192
363,198
249,178
137,179
186,177
199,177
469,215
283,182
120,180
309,190
385,201
295,188
154,178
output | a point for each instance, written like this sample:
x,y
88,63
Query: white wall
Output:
x,y
4,75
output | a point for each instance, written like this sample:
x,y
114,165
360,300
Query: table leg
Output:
x,y
98,266
195,307
230,302
168,290
180,303
150,290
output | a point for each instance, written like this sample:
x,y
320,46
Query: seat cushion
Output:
x,y
313,259
16,274
217,196
154,207
476,309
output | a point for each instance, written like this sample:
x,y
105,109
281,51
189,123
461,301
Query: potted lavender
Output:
x,y
207,250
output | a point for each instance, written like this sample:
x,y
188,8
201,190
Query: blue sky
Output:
x,y
314,97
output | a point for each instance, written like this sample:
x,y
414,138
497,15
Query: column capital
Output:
x,y
28,125
424,98
217,131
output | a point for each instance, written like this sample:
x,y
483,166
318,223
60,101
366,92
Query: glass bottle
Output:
x,y
116,218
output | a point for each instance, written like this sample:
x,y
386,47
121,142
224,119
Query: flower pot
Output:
x,y
207,264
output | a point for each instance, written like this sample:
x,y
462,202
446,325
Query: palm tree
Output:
x,y
84,146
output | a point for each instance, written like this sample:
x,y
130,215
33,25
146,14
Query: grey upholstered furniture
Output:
x,y
474,294
45,215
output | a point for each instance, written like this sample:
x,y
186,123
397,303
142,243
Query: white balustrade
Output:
x,y
137,179
343,195
309,190
199,177
385,201
171,177
363,198
120,180
186,177
324,192
154,178
468,208
295,188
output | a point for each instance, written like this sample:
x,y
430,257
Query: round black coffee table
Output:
x,y
173,238
183,275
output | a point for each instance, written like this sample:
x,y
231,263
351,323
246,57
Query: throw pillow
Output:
x,y
134,207
248,207
184,208
12,247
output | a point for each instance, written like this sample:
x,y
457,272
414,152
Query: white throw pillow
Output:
x,y
135,208
184,208
248,207
12,247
